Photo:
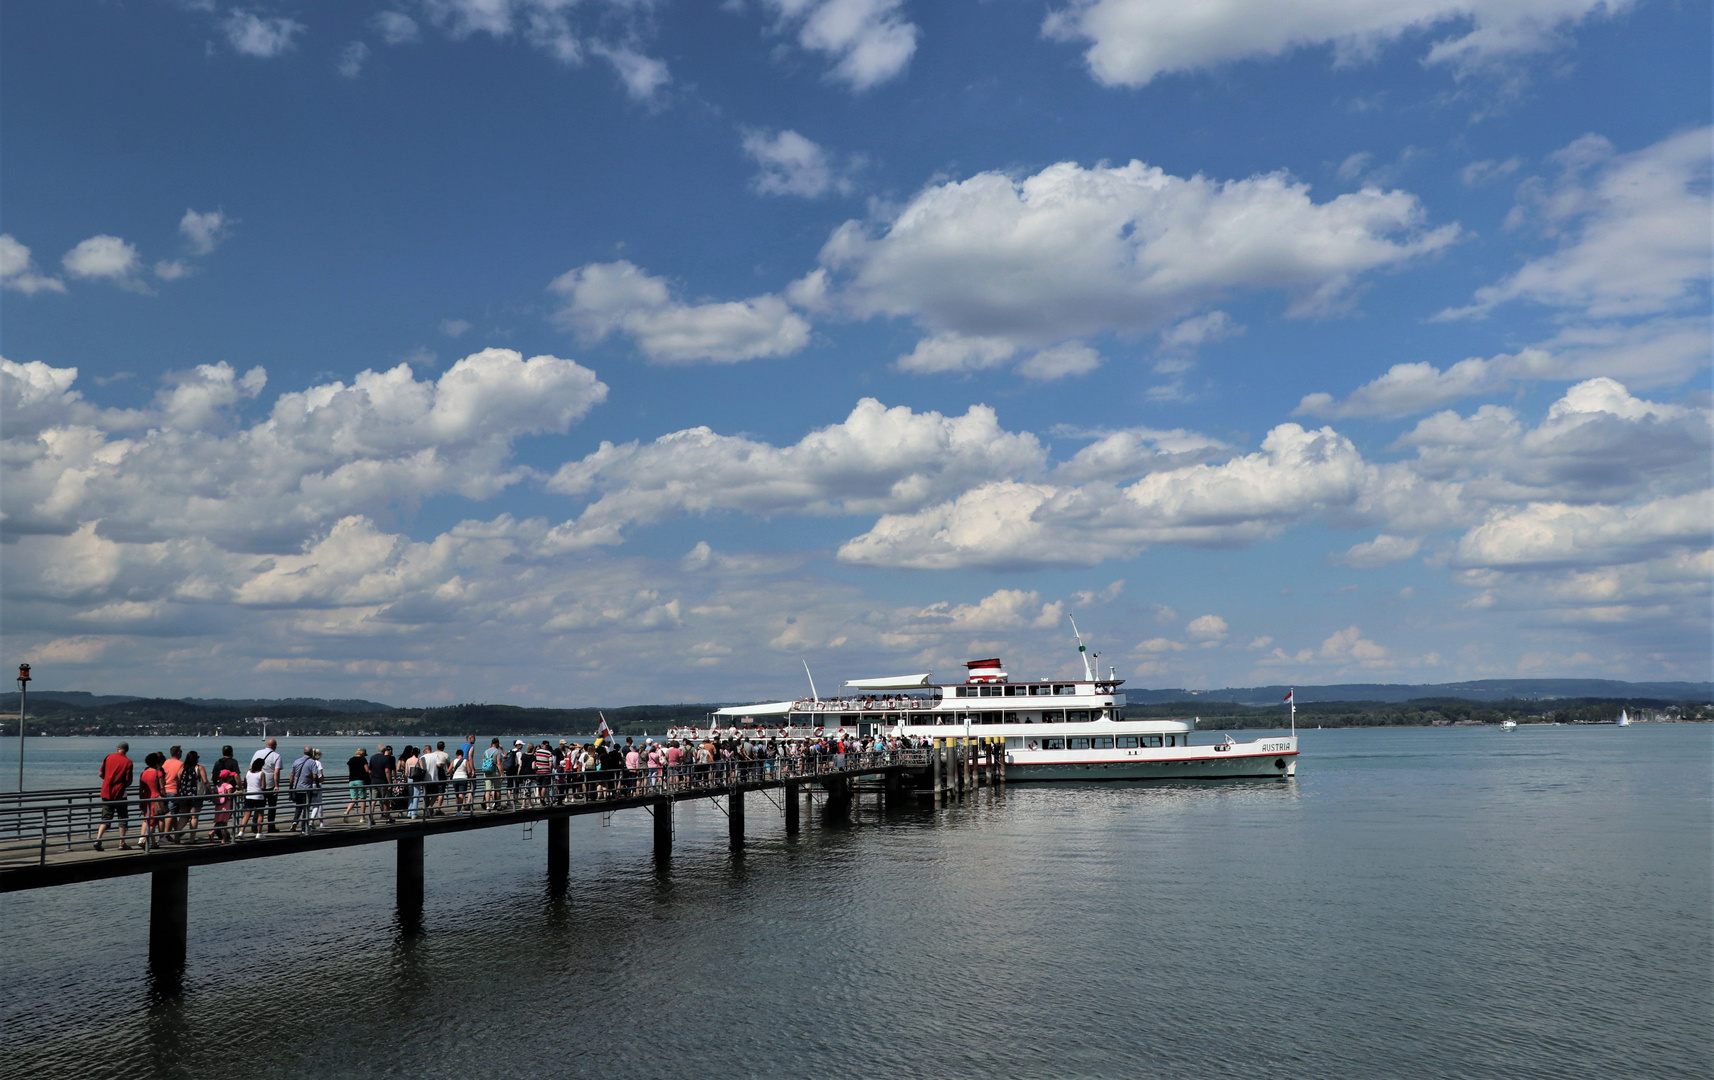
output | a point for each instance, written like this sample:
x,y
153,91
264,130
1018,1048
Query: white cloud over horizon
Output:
x,y
144,532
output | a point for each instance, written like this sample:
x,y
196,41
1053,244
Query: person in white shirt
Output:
x,y
269,755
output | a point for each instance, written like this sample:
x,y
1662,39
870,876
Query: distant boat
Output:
x,y
1624,719
1508,725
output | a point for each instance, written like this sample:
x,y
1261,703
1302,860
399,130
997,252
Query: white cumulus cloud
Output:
x,y
877,459
601,298
791,165
191,470
870,41
1072,252
18,270
105,258
263,36
1383,550
204,231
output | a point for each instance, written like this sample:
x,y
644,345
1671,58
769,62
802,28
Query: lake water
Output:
x,y
1418,903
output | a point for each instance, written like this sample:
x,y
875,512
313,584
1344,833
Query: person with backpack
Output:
x,y
492,795
509,765
193,789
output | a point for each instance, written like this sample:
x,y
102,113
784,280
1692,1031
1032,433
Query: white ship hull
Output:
x,y
1269,758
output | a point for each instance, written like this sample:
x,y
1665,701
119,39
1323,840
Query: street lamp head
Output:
x,y
23,673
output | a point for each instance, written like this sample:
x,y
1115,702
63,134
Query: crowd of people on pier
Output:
x,y
176,790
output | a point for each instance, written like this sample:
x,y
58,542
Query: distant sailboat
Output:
x,y
1624,719
1508,725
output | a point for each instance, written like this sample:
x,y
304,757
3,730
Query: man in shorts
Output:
x,y
357,780
115,779
492,793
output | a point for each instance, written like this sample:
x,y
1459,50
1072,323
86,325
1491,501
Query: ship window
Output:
x,y
1062,688
1011,718
1053,744
990,691
1169,741
1037,690
1014,742
1104,742
1077,716
1151,740
1053,716
1077,744
962,691
1127,741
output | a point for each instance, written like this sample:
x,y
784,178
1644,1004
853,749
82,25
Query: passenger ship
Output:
x,y
1054,729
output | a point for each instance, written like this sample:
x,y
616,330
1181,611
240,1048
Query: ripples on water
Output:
x,y
1419,903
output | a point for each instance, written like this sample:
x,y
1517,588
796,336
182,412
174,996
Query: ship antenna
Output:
x,y
1082,653
813,695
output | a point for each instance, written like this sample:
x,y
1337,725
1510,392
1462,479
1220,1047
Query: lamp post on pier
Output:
x,y
23,682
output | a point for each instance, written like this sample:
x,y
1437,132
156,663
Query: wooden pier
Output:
x,y
46,838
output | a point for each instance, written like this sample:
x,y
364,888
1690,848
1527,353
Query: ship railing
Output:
x,y
68,820
862,705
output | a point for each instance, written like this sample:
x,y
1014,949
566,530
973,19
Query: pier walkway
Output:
x,y
47,838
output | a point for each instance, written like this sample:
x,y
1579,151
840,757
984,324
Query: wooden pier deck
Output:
x,y
47,838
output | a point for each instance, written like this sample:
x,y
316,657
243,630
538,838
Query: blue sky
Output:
x,y
557,352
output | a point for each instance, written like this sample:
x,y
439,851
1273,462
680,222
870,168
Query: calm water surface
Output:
x,y
1418,903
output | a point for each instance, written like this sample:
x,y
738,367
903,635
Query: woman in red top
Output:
x,y
151,786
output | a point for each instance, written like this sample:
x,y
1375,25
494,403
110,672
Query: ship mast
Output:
x,y
1082,653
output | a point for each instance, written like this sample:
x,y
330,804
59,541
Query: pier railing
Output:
x,y
34,824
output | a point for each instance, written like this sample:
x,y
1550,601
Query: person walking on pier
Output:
x,y
411,766
255,798
269,756
544,761
492,793
193,787
228,763
381,783
115,781
436,763
460,782
305,777
356,780
150,788
170,769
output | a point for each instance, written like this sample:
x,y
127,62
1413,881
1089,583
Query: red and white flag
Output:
x,y
603,730
1288,695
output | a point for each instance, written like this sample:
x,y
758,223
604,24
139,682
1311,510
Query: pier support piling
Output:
x,y
791,801
559,849
410,880
169,913
735,817
663,829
